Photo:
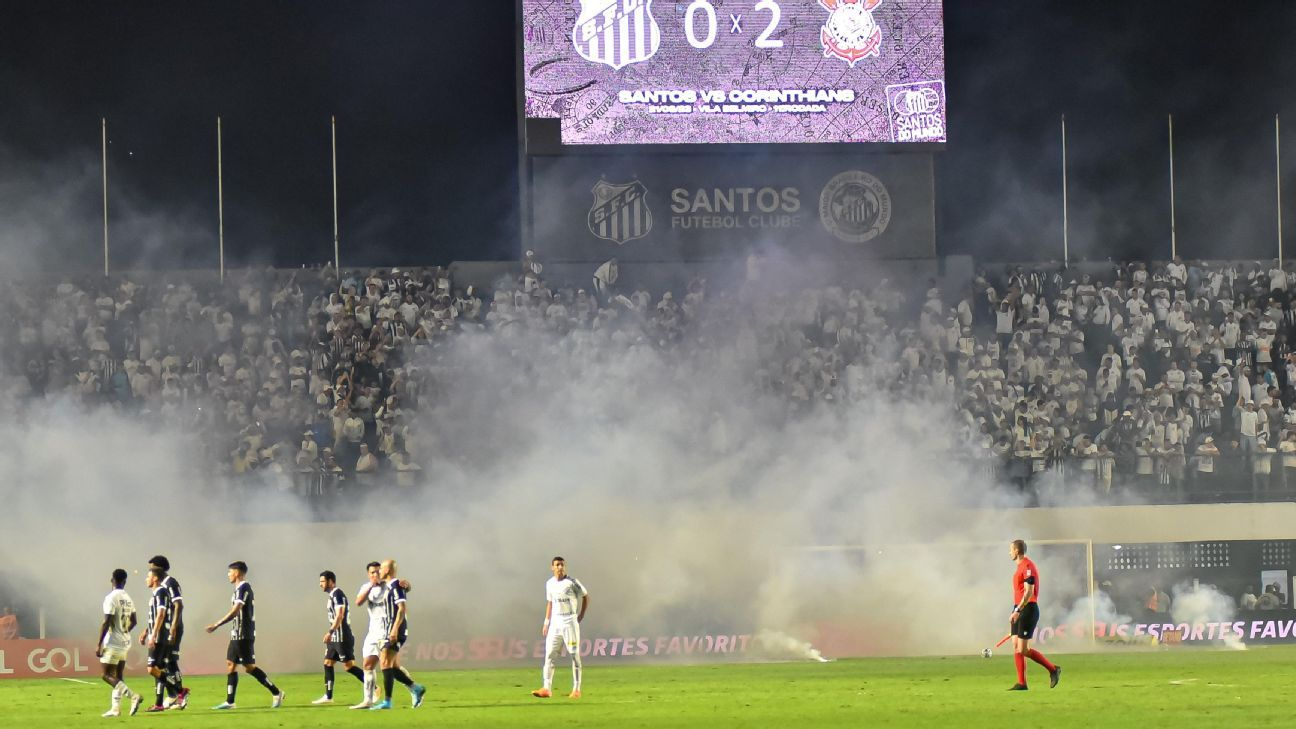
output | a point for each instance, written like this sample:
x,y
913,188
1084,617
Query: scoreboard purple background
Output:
x,y
736,71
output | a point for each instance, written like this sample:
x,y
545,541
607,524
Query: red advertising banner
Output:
x,y
69,658
47,659
494,650
1268,630
73,658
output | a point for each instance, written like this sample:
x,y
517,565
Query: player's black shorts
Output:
x,y
1027,619
343,651
159,654
241,652
395,645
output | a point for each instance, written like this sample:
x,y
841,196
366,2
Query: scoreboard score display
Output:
x,y
736,71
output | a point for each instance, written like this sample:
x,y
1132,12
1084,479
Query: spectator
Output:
x,y
308,451
367,463
9,629
329,464
1248,600
1206,455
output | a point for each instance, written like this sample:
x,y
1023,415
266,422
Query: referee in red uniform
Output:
x,y
1025,616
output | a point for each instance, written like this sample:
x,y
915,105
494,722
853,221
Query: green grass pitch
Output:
x,y
1126,688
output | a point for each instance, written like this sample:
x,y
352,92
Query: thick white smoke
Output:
x,y
1198,604
680,492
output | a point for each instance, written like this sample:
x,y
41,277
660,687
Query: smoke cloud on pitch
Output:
x,y
680,493
1196,604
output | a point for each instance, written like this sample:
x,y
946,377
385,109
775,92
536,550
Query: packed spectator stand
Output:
x,y
1163,381
1172,380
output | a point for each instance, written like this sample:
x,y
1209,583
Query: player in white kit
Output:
x,y
373,595
115,641
568,600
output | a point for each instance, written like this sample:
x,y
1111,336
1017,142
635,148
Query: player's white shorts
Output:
x,y
373,644
564,633
112,656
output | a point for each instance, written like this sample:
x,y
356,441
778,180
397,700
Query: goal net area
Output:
x,y
941,598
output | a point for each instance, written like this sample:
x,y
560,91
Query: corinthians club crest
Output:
x,y
855,207
616,32
851,33
620,212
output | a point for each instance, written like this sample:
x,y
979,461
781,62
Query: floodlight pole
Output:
x,y
1174,248
337,260
103,127
220,197
1278,183
1066,226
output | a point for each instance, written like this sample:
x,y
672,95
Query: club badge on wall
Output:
x,y
620,212
855,207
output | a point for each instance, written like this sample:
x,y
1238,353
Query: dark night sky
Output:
x,y
424,94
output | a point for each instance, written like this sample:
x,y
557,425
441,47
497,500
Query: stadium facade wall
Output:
x,y
590,208
1178,523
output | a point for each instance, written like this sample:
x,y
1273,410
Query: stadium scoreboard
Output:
x,y
670,72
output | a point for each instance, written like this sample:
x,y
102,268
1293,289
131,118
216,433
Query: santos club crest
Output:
x,y
616,32
620,212
850,32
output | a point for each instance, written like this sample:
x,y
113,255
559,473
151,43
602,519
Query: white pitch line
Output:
x,y
77,680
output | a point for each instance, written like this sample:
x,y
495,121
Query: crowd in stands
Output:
x,y
1147,374
295,372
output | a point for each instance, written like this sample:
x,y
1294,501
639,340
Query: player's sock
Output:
x,y
231,686
261,676
576,675
405,672
159,687
355,671
328,682
403,676
1040,659
370,685
174,670
548,673
1020,661
389,682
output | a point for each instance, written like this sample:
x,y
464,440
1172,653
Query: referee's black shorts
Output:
x,y
241,652
1027,619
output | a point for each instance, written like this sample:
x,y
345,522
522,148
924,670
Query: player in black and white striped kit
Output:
x,y
174,679
339,641
157,633
242,645
397,628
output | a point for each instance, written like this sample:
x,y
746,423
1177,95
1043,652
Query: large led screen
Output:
x,y
736,71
